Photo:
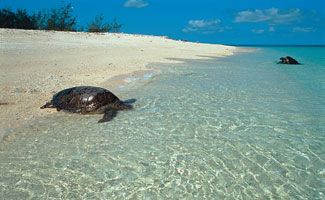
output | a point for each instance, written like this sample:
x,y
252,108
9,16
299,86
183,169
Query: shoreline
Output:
x,y
37,64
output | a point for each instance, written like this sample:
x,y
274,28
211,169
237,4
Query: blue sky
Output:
x,y
211,21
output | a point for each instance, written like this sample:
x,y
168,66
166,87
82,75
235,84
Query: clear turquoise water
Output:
x,y
240,127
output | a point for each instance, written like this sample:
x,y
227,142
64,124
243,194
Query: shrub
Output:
x,y
99,26
7,18
115,27
19,20
61,19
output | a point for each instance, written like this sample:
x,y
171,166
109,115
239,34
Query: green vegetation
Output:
x,y
59,19
99,26
20,19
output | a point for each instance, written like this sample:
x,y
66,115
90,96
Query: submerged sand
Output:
x,y
36,64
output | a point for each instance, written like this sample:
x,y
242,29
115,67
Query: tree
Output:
x,y
41,20
61,19
24,20
99,26
115,27
7,18
19,19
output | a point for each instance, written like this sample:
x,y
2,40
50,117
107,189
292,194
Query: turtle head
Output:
x,y
48,105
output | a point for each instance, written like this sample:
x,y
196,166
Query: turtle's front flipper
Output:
x,y
48,105
108,116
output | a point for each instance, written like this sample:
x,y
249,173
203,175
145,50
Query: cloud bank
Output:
x,y
204,26
272,16
135,4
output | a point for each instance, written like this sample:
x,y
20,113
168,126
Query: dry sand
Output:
x,y
36,64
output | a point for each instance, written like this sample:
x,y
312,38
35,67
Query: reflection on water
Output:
x,y
239,127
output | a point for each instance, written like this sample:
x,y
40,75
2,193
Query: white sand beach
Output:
x,y
36,64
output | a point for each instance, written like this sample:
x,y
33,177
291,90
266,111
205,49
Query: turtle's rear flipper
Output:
x,y
129,101
108,116
48,105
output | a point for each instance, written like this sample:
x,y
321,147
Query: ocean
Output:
x,y
239,127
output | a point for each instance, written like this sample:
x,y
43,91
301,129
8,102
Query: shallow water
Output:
x,y
240,127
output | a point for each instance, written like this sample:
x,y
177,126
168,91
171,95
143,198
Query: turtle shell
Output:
x,y
85,99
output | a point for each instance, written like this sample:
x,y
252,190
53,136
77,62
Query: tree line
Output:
x,y
58,19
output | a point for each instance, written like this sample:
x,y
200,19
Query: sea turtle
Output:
x,y
288,60
88,100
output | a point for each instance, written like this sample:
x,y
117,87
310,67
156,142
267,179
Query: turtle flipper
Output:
x,y
108,115
120,105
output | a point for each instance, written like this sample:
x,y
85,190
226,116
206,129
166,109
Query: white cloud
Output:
x,y
272,16
204,26
135,4
258,31
303,29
